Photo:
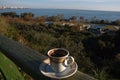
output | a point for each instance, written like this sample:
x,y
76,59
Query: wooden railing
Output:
x,y
29,60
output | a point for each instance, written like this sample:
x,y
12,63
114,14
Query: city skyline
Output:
x,y
106,5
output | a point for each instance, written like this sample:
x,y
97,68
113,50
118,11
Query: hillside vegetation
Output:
x,y
97,56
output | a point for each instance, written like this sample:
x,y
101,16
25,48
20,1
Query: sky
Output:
x,y
107,5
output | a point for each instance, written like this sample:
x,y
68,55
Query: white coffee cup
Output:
x,y
59,59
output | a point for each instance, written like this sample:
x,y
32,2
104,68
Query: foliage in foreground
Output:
x,y
9,71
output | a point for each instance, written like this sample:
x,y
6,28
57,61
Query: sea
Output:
x,y
87,14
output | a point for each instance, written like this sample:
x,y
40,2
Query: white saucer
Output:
x,y
46,70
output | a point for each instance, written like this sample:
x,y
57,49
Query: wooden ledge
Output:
x,y
29,60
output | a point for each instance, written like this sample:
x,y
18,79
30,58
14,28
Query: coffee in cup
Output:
x,y
59,59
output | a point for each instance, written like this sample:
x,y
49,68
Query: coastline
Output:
x,y
87,14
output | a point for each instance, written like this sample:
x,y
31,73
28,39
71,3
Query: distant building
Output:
x,y
12,7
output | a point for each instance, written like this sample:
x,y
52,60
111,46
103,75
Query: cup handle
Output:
x,y
69,61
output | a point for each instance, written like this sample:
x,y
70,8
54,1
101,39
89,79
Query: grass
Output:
x,y
9,69
112,28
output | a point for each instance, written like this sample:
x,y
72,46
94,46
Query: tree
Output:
x,y
10,14
60,17
41,18
81,19
27,16
73,18
107,21
53,18
102,21
117,22
93,19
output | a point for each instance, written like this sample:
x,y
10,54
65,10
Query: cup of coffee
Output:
x,y
59,59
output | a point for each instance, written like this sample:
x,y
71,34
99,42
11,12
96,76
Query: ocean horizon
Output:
x,y
87,14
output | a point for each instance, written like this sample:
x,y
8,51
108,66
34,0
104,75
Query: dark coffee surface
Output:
x,y
59,53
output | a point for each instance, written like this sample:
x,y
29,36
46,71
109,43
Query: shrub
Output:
x,y
3,26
